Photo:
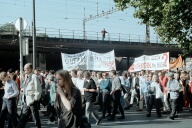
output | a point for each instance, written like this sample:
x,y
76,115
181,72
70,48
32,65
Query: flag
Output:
x,y
131,69
176,63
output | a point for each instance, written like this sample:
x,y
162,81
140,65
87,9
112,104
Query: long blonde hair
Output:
x,y
67,81
3,75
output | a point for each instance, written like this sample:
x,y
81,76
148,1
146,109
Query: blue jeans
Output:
x,y
9,107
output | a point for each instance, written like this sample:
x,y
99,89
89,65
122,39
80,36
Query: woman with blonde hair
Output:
x,y
9,101
68,103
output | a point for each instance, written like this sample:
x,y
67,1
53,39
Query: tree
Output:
x,y
8,27
172,19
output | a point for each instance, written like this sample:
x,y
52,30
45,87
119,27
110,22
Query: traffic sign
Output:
x,y
23,23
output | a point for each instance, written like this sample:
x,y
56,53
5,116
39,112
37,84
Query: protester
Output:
x,y
32,94
9,101
74,76
80,82
185,84
1,93
144,90
45,94
190,91
135,91
68,103
163,82
173,87
181,91
141,83
116,95
154,97
105,88
125,87
52,93
100,93
90,97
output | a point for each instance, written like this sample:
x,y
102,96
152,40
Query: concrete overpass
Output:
x,y
53,46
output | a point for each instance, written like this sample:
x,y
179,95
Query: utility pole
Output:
x,y
96,16
34,37
21,47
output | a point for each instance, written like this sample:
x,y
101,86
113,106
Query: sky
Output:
x,y
64,18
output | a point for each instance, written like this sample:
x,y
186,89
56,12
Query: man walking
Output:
x,y
116,95
32,94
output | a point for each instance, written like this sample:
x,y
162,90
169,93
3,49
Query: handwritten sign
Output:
x,y
102,61
154,62
89,60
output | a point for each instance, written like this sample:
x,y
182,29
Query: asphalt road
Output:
x,y
134,119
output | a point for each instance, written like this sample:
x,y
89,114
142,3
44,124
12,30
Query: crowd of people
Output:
x,y
71,95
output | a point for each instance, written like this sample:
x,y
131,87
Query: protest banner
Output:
x,y
154,62
102,61
74,61
188,63
89,60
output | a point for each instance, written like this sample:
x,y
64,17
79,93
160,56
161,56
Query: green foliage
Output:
x,y
172,19
8,27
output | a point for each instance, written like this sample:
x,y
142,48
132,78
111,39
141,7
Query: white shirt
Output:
x,y
79,84
74,79
141,80
133,82
11,89
122,80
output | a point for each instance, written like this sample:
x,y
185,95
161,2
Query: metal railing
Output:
x,y
78,34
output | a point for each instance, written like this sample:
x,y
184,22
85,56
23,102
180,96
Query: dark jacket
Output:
x,y
69,119
90,96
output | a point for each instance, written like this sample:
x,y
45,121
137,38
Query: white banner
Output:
x,y
89,60
102,61
188,64
154,62
74,61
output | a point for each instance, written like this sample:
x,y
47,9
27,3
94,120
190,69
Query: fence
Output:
x,y
78,34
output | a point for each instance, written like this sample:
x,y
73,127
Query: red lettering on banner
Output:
x,y
165,57
108,64
143,65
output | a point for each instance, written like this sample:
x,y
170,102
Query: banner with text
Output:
x,y
89,60
74,61
102,61
154,62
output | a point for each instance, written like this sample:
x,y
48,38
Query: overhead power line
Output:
x,y
96,17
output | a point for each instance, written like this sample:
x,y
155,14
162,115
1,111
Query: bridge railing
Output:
x,y
78,34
